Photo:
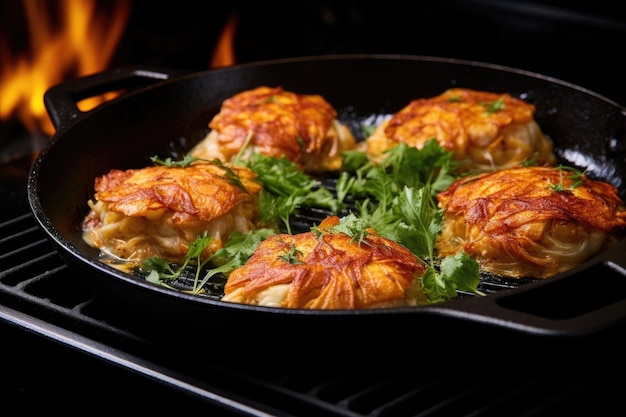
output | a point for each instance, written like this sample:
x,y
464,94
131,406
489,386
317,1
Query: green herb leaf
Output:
x,y
352,226
230,175
238,248
461,271
420,223
276,210
494,106
436,287
291,255
288,188
576,176
169,162
235,253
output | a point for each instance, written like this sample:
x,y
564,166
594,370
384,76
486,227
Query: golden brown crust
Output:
x,y
301,127
331,272
200,190
515,223
158,210
485,130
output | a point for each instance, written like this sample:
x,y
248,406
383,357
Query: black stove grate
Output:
x,y
40,295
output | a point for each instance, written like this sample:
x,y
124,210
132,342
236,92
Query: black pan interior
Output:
x,y
169,117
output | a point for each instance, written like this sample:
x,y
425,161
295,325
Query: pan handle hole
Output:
x,y
585,292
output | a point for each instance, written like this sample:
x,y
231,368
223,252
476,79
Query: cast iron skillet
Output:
x,y
164,113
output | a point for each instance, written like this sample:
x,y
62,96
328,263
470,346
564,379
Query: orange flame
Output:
x,y
224,52
80,44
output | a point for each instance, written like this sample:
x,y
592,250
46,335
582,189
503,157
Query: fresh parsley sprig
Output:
x,y
230,175
159,271
397,198
169,162
235,253
456,272
238,248
352,226
291,255
576,177
285,188
404,165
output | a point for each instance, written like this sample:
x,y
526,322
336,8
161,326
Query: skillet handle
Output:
x,y
589,300
61,100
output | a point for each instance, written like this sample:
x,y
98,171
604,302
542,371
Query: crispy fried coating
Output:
x,y
158,210
485,130
275,122
530,222
327,271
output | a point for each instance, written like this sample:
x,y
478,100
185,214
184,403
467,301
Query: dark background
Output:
x,y
584,44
